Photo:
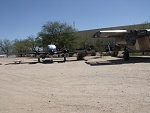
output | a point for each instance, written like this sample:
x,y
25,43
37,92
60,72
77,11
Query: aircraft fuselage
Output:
x,y
142,44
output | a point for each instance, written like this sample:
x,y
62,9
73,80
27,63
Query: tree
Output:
x,y
20,46
26,45
6,46
99,47
60,34
33,43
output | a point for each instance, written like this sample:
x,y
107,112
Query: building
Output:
x,y
86,35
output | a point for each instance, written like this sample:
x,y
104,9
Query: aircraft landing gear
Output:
x,y
39,59
51,59
65,57
126,55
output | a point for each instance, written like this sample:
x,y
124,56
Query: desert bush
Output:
x,y
107,54
114,53
81,55
71,54
93,53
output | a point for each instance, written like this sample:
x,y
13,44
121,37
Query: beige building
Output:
x,y
86,35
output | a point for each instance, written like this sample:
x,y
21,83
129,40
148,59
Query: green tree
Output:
x,y
20,46
60,34
99,47
33,43
26,45
6,46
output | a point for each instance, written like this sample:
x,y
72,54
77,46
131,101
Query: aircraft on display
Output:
x,y
2,56
130,40
51,50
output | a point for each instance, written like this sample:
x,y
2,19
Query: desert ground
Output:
x,y
93,85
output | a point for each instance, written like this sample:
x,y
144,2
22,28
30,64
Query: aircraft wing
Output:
x,y
66,51
33,52
39,52
72,51
120,33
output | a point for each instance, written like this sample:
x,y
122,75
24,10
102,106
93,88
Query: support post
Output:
x,y
64,57
39,59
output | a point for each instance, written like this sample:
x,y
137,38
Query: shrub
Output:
x,y
93,53
71,54
81,55
114,53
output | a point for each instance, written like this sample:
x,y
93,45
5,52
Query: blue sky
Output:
x,y
22,18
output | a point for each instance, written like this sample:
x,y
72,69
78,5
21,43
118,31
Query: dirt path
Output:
x,y
98,86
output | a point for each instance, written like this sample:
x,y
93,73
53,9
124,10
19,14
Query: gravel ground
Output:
x,y
97,85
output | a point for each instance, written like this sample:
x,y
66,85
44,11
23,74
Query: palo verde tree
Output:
x,y
26,45
6,46
99,47
21,46
60,34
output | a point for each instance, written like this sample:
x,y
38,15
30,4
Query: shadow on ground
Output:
x,y
133,60
42,62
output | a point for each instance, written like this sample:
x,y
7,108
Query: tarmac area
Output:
x,y
93,85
